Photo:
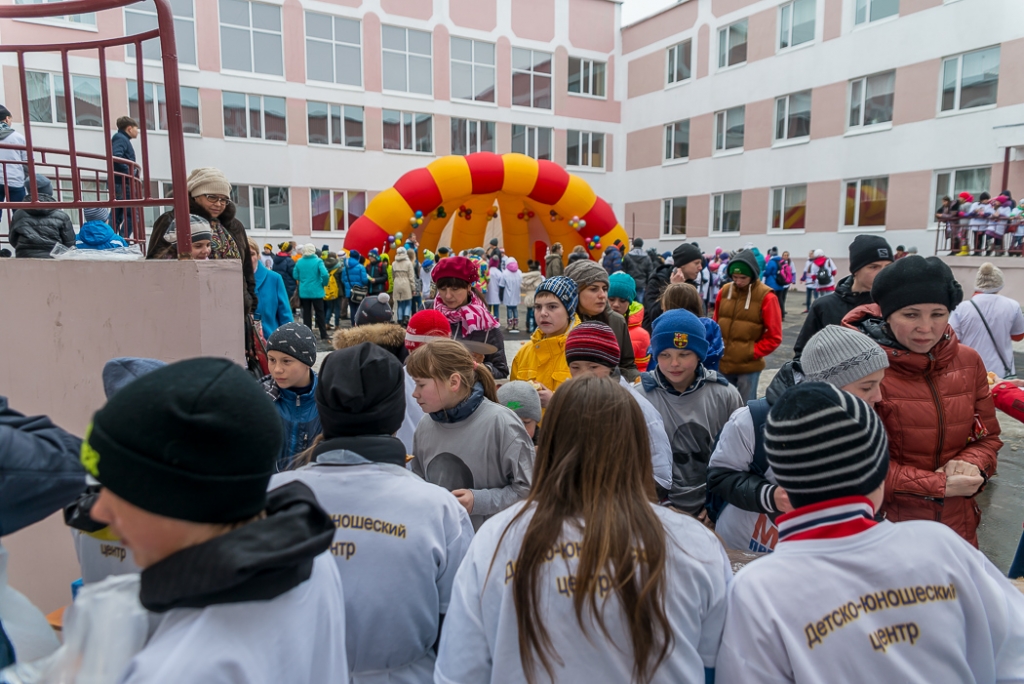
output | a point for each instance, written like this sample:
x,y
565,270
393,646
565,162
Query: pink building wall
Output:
x,y
675,20
481,15
293,24
702,47
207,36
644,216
646,74
211,113
761,34
911,6
917,92
302,212
534,19
414,9
759,122
296,121
908,206
698,215
723,7
833,24
754,211
503,58
701,132
644,147
371,53
828,111
442,66
1011,78
592,25
823,202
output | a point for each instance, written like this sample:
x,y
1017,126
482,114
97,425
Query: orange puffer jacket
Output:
x,y
936,407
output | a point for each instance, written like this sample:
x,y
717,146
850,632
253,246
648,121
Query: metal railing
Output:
x,y
988,236
73,167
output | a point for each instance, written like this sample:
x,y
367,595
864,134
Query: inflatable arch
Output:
x,y
537,202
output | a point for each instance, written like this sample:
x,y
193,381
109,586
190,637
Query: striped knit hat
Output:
x,y
594,342
823,443
566,291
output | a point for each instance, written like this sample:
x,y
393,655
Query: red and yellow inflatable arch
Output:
x,y
534,199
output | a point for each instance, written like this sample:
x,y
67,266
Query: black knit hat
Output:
x,y
374,310
296,340
867,249
361,392
823,443
196,440
685,254
915,280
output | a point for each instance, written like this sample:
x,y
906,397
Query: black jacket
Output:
x,y
830,309
639,267
660,278
497,362
283,266
377,272
34,232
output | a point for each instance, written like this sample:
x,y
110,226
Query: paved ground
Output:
x,y
1002,502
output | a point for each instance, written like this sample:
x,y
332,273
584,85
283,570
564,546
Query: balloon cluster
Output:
x,y
525,215
492,213
554,215
576,223
417,220
393,238
465,212
594,242
441,213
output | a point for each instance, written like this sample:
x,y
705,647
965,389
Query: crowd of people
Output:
x,y
986,225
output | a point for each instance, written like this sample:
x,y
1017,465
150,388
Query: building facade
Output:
x,y
722,121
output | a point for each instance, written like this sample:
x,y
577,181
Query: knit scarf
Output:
x,y
472,316
843,517
464,409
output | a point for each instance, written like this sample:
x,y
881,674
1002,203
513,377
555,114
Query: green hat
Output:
x,y
743,268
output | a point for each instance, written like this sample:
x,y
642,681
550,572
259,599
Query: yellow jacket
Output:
x,y
543,359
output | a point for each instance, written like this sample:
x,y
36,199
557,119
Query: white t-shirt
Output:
x,y
911,603
297,637
480,641
661,449
397,574
742,530
1004,318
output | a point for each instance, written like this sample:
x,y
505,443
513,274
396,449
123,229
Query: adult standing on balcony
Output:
x,y
12,176
209,196
121,148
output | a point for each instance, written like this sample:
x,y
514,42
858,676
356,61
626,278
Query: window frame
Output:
x,y
401,133
862,127
252,43
589,137
58,77
667,212
160,125
550,75
670,142
719,218
342,111
782,24
408,92
868,21
346,210
248,118
787,139
593,78
63,20
479,124
719,132
723,49
958,91
536,131
250,208
772,208
856,227
144,11
669,63
333,42
473,66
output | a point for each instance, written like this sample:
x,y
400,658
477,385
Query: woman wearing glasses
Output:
x,y
209,196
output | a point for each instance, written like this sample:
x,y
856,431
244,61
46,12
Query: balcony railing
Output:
x,y
989,236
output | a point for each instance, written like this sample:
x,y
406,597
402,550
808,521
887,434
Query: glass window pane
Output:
x,y
407,131
419,42
873,195
856,95
274,118
731,212
318,26
347,67
137,22
462,49
681,139
280,216
269,58
338,222
734,127
522,59
38,86
234,115
878,99
849,216
393,38
575,69
180,8
777,208
424,133
353,126
672,64
949,69
190,110
519,139
483,53
462,81
597,150
542,92
185,40
803,21
860,14
266,17
235,51
234,12
572,152
723,47
487,136
544,143
356,206
542,62
87,104
521,90
599,79
347,31
483,77
738,42
394,71
785,18
240,196
320,208
980,78
880,9
941,189
319,61
780,118
316,121
683,60
336,130
459,136
420,77
259,208
799,115
795,208
392,124
974,181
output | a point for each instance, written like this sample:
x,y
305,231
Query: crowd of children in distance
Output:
x,y
400,518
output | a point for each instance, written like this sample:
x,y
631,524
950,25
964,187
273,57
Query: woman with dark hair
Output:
x,y
588,579
463,305
592,283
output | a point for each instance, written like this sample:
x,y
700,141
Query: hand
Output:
x,y
465,497
703,515
958,467
545,395
677,276
963,485
781,498
1016,382
479,358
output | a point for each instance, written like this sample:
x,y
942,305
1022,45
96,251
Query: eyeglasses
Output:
x,y
216,199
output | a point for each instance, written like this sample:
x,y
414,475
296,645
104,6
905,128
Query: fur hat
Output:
x,y
989,279
388,336
208,181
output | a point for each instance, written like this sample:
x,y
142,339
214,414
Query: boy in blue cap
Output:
x,y
694,403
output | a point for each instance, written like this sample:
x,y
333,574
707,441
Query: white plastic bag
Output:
x,y
130,253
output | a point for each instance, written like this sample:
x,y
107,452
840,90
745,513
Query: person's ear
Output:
x,y
454,383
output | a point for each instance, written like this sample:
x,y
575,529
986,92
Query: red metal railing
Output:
x,y
72,166
989,236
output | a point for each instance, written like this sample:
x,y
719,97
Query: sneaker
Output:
x,y
805,311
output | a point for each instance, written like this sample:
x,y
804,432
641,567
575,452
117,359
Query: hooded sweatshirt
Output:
x,y
99,235
751,322
34,232
15,172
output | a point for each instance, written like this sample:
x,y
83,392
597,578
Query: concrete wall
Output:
x,y
62,321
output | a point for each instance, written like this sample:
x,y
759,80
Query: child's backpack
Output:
x,y
787,273
759,408
824,276
331,288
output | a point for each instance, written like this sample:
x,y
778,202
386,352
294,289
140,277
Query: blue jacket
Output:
x,y
713,334
354,273
301,421
98,235
283,266
311,275
273,309
773,274
612,261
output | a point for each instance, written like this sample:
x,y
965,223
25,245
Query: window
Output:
x,y
970,80
952,183
796,23
260,207
531,78
677,140
264,117
726,212
472,70
674,220
871,99
141,17
873,10
86,19
92,191
408,131
250,37
328,127
156,106
729,129
532,141
789,208
585,149
732,44
470,136
793,116
162,189
406,55
586,77
46,103
679,62
865,202
332,49
335,209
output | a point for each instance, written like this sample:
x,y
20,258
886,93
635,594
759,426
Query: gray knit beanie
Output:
x,y
585,272
522,398
840,356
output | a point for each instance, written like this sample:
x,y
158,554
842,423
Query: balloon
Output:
x,y
582,223
391,239
398,236
419,214
519,215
